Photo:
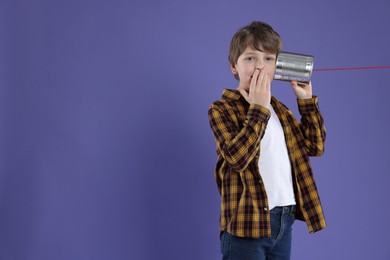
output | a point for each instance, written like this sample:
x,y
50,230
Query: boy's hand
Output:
x,y
302,90
259,89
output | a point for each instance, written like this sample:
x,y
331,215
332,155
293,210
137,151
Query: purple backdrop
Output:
x,y
105,146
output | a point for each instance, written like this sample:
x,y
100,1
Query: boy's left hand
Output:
x,y
302,90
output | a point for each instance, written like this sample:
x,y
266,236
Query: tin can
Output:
x,y
294,66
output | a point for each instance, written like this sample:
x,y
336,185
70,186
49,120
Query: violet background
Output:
x,y
105,146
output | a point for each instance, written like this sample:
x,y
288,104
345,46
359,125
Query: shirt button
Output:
x,y
265,209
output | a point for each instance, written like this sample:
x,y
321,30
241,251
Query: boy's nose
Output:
x,y
259,66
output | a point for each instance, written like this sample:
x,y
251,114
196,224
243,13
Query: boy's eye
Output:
x,y
250,58
269,58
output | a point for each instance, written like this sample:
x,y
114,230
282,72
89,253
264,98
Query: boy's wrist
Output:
x,y
259,112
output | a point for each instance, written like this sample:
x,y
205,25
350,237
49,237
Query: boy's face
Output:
x,y
248,61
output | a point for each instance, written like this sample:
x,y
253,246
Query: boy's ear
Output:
x,y
233,68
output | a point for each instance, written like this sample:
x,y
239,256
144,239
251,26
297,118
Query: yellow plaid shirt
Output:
x,y
238,128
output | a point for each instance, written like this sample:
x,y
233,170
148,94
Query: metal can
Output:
x,y
294,66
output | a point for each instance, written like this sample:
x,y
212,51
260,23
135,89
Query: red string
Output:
x,y
354,68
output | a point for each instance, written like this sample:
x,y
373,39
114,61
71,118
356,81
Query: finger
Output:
x,y
294,83
262,82
301,85
268,83
254,80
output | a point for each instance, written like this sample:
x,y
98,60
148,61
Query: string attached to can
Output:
x,y
353,68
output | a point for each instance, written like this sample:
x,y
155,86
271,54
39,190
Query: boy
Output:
x,y
263,170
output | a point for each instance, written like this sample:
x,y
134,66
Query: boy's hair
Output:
x,y
258,35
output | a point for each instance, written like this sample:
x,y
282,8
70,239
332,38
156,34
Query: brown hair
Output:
x,y
259,35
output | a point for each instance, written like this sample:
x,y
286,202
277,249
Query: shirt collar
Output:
x,y
231,94
236,95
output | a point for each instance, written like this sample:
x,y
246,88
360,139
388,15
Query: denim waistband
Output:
x,y
284,209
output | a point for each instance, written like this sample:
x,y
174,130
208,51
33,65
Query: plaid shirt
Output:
x,y
238,128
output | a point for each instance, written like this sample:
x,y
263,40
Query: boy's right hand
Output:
x,y
259,88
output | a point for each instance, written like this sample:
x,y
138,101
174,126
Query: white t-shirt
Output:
x,y
274,164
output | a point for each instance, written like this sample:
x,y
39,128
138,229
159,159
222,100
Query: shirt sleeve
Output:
x,y
312,126
238,146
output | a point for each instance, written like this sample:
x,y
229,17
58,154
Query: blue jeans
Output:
x,y
276,247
